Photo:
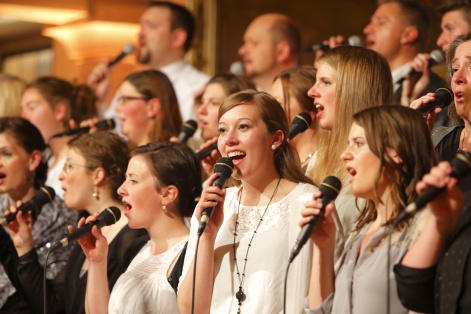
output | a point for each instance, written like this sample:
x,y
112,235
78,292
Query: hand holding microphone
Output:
x,y
223,169
460,167
329,188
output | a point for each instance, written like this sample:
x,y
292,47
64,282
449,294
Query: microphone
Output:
x,y
223,168
299,124
461,166
104,125
443,97
187,130
436,57
330,188
127,49
205,152
354,41
237,68
108,216
43,196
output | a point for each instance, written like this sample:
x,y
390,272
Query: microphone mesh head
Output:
x,y
110,215
461,164
355,41
223,168
237,68
129,48
48,194
330,187
437,56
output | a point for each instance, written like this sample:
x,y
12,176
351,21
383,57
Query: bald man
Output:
x,y
271,45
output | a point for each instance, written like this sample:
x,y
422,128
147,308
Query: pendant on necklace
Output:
x,y
240,296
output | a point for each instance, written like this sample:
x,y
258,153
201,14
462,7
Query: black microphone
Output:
x,y
330,188
108,216
205,152
187,130
127,50
299,124
436,57
223,168
354,41
104,125
43,196
461,166
443,97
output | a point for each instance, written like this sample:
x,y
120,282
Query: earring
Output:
x,y
273,146
96,193
164,208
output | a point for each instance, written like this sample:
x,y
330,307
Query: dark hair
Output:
x,y
286,161
404,130
180,17
297,82
450,55
107,150
232,83
464,6
79,100
155,84
175,164
26,135
415,15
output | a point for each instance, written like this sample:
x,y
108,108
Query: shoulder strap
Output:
x,y
174,277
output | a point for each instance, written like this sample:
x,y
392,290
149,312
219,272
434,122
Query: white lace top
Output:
x,y
267,258
144,287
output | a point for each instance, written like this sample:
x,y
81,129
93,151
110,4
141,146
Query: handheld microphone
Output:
x,y
187,131
436,57
461,166
108,216
237,68
223,168
443,97
330,188
43,196
300,123
205,152
354,41
127,50
104,125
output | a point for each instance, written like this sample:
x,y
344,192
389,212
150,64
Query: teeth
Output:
x,y
233,154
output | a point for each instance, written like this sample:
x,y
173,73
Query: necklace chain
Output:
x,y
308,157
240,295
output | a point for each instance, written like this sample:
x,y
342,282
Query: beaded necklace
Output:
x,y
240,295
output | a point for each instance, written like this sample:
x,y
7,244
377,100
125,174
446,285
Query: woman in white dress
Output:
x,y
244,249
385,161
162,182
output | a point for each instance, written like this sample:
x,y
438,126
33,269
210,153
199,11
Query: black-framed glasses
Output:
x,y
124,99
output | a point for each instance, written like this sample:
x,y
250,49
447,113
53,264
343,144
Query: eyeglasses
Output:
x,y
69,166
124,99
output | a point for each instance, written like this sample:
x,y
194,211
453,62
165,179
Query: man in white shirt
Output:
x,y
166,34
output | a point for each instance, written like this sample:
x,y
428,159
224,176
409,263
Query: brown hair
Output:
x,y
107,150
404,130
274,117
155,84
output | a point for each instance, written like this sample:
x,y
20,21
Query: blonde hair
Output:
x,y
11,89
363,80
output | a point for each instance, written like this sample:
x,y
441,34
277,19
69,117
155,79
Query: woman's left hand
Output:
x,y
94,245
20,230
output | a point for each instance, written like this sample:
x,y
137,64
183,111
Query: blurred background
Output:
x,y
68,38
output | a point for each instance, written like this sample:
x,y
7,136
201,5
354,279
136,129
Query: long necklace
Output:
x,y
308,157
240,295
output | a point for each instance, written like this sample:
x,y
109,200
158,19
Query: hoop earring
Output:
x,y
164,208
96,193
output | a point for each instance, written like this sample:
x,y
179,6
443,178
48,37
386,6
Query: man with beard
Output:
x,y
166,34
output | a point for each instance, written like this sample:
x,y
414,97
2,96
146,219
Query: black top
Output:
x,y
445,288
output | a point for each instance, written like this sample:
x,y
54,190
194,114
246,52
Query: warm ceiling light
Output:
x,y
41,15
